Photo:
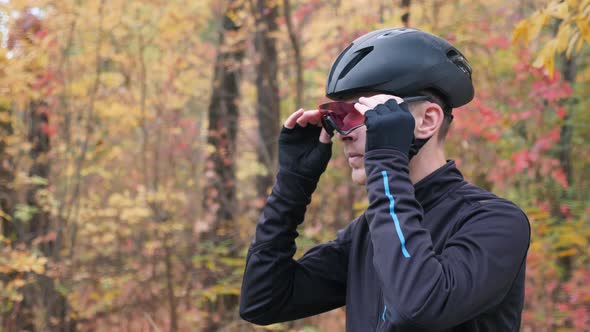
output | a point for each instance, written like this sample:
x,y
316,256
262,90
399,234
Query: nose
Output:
x,y
349,138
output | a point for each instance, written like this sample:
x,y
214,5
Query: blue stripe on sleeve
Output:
x,y
383,315
394,216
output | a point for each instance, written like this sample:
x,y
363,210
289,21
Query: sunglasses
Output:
x,y
344,118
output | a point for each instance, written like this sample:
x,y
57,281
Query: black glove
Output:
x,y
391,126
302,153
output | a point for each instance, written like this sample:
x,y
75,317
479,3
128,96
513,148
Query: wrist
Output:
x,y
294,187
383,159
380,145
380,153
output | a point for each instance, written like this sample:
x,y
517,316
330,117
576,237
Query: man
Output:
x,y
431,252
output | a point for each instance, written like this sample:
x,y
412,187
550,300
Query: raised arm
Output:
x,y
424,290
276,287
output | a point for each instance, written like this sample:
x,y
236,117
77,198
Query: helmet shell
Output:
x,y
401,62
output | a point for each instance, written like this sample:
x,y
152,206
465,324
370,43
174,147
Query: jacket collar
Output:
x,y
437,184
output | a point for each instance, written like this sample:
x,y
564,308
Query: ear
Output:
x,y
431,120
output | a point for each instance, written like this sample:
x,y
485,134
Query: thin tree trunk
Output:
x,y
170,287
39,140
565,142
267,109
565,157
8,199
7,193
295,43
74,206
43,297
406,13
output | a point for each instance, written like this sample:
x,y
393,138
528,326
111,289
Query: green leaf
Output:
x,y
25,212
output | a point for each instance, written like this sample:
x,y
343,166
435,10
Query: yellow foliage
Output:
x,y
572,33
21,261
567,252
112,79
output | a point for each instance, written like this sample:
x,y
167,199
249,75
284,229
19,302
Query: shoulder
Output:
x,y
488,210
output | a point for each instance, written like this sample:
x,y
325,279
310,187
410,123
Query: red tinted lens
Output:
x,y
344,114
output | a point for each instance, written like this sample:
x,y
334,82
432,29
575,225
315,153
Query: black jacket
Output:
x,y
443,255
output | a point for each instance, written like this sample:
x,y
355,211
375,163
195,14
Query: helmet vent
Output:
x,y
360,54
394,32
459,60
338,60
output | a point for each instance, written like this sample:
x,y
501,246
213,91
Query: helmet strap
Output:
x,y
417,145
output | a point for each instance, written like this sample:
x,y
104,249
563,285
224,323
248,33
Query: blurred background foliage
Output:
x,y
138,144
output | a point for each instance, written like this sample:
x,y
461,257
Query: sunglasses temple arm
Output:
x,y
417,98
328,125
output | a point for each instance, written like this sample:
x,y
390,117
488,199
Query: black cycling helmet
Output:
x,y
402,62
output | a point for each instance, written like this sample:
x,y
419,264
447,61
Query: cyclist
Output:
x,y
431,252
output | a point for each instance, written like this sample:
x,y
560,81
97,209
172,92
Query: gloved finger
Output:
x,y
292,119
310,117
325,149
384,109
370,113
395,106
325,137
362,108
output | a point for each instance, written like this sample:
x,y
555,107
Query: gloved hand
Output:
x,y
390,126
300,149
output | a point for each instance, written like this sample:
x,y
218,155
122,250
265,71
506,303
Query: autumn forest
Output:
x,y
138,144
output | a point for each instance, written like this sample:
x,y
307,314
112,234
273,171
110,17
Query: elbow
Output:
x,y
255,313
254,318
405,321
427,317
419,315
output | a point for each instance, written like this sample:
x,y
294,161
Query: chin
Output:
x,y
358,176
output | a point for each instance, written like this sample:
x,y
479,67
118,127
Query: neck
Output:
x,y
430,158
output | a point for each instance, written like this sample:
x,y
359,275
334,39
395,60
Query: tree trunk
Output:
x,y
267,109
42,307
295,43
220,194
565,157
565,153
44,295
39,140
7,202
219,199
7,193
406,13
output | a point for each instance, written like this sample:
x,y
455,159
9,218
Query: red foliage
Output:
x,y
560,177
539,132
48,129
497,41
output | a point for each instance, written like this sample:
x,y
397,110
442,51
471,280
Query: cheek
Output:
x,y
362,136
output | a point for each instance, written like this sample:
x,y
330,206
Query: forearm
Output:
x,y
271,252
276,287
283,211
403,248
